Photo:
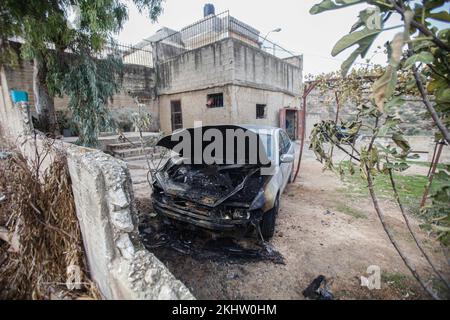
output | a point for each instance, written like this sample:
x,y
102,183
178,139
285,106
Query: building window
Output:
x,y
176,115
214,100
260,111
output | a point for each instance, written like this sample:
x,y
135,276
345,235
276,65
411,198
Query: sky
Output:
x,y
302,33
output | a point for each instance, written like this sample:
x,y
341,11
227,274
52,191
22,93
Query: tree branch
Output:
x,y
390,236
381,217
424,30
397,198
341,148
430,107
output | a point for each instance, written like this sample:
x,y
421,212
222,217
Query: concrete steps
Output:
x,y
129,149
133,151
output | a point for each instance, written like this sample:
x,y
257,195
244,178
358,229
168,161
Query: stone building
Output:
x,y
217,70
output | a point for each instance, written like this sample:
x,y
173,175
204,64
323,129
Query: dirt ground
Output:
x,y
320,229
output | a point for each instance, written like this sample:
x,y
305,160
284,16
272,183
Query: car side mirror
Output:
x,y
286,158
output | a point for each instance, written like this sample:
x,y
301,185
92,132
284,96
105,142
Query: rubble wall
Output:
x,y
118,263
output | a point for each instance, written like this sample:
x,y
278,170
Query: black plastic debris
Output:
x,y
318,289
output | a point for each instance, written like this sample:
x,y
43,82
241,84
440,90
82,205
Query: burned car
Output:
x,y
231,193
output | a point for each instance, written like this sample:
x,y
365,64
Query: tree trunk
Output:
x,y
43,101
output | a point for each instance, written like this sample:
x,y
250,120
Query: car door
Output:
x,y
284,144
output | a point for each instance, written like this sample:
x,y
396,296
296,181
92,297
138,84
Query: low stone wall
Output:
x,y
422,145
120,265
101,184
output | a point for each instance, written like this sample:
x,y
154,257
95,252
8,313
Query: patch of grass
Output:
x,y
426,164
396,280
410,188
404,284
344,208
425,226
441,288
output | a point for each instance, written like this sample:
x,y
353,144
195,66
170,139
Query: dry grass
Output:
x,y
39,211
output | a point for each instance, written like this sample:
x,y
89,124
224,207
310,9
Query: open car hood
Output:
x,y
252,152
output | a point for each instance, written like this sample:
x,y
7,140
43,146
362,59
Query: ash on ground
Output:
x,y
164,239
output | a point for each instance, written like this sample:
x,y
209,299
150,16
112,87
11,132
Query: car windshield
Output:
x,y
266,140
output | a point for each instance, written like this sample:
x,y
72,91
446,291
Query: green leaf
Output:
x,y
443,95
398,166
394,102
443,16
369,17
326,5
440,228
436,84
354,38
433,4
424,57
422,44
392,121
346,65
401,142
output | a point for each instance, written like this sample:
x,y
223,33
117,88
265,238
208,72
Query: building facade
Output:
x,y
218,71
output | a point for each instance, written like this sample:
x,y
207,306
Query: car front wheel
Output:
x,y
268,220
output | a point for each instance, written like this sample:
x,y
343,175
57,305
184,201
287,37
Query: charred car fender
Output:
x,y
270,194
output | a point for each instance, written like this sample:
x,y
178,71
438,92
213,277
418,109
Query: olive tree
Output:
x,y
418,63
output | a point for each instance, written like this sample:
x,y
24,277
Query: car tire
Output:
x,y
268,220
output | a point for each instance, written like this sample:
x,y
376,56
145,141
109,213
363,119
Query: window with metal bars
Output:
x,y
214,100
260,111
176,115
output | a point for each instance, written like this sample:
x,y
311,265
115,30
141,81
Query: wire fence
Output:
x,y
130,54
214,28
210,29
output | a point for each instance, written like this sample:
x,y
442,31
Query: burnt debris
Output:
x,y
162,239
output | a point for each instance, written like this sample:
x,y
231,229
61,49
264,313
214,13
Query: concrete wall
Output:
x,y
138,81
256,68
163,51
229,61
412,111
322,106
239,106
14,120
311,119
193,108
296,61
208,66
423,145
244,100
118,263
